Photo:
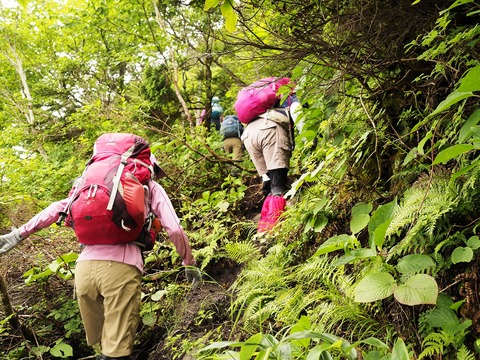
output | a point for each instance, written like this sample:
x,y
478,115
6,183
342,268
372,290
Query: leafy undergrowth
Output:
x,y
194,314
185,319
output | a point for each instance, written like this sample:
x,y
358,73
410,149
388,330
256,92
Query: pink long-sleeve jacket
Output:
x,y
158,202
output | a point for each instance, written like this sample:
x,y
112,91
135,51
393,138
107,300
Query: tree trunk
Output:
x,y
13,320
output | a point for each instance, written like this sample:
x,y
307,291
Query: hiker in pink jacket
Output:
x,y
108,277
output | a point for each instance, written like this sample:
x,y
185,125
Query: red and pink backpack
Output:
x,y
258,97
106,205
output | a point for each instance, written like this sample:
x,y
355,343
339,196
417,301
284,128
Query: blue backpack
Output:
x,y
217,112
231,127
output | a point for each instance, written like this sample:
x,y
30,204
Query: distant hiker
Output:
x,y
109,269
231,130
268,138
217,113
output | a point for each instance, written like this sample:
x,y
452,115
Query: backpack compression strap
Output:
x,y
116,179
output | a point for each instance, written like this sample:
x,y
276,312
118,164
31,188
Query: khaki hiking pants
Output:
x,y
233,146
268,144
109,299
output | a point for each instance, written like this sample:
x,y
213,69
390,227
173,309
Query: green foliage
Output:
x,y
385,168
465,254
296,342
420,214
63,267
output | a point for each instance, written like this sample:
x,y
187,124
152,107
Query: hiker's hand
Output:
x,y
193,275
266,188
9,241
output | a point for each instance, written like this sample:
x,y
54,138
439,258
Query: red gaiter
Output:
x,y
273,207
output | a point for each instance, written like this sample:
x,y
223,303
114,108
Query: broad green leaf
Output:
x,y
335,243
149,319
320,205
302,325
39,350
158,295
210,4
451,99
412,154
69,257
223,206
316,352
375,287
230,16
55,265
469,82
400,351
466,169
373,341
442,318
309,135
453,151
284,351
422,142
378,225
466,130
359,222
32,276
361,208
414,263
320,223
473,242
309,223
250,346
353,255
379,234
462,254
360,217
62,350
418,289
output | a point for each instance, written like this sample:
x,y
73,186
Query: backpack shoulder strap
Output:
x,y
116,179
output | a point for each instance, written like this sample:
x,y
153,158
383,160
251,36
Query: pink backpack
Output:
x,y
106,204
258,97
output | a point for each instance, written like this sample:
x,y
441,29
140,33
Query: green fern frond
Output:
x,y
242,252
289,305
252,316
259,285
464,354
318,271
420,212
435,343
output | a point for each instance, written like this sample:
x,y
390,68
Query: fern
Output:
x,y
242,252
464,354
258,285
420,212
434,343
